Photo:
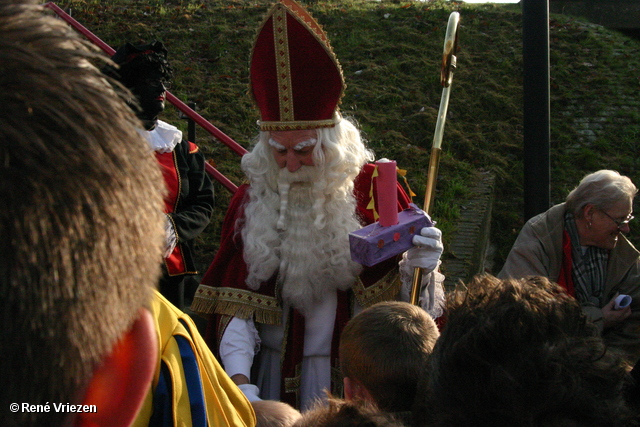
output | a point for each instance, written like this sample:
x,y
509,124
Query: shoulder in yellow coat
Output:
x,y
189,379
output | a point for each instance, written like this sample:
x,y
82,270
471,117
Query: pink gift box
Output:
x,y
375,243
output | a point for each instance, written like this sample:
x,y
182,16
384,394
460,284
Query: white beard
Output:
x,y
305,234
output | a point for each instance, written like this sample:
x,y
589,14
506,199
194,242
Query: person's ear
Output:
x,y
588,211
353,390
347,385
118,387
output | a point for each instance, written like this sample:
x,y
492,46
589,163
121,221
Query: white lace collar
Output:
x,y
164,137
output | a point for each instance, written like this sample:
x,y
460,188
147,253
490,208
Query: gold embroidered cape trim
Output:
x,y
237,302
292,385
385,289
266,309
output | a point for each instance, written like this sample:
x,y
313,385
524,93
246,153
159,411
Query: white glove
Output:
x,y
250,391
171,239
427,250
426,255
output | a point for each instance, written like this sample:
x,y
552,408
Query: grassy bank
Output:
x,y
390,53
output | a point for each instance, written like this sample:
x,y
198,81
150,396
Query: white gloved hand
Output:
x,y
426,255
171,239
427,250
250,391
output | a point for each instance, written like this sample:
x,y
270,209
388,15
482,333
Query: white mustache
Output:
x,y
304,174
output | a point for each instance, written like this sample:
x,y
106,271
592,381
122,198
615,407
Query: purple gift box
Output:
x,y
375,243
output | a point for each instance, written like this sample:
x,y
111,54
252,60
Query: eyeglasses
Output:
x,y
618,222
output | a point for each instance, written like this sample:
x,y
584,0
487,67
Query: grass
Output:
x,y
390,53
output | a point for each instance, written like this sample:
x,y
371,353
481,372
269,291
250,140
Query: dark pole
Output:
x,y
535,56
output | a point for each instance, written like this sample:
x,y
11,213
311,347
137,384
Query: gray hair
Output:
x,y
601,189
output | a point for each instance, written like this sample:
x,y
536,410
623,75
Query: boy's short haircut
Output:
x,y
386,348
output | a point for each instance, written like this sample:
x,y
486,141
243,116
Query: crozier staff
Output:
x,y
449,63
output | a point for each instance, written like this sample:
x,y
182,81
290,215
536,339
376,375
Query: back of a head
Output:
x,y
81,220
340,413
386,348
520,353
272,413
603,189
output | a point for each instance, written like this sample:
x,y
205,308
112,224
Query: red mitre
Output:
x,y
296,79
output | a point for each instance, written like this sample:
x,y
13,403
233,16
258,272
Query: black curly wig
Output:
x,y
138,62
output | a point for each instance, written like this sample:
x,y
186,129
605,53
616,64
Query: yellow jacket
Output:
x,y
189,388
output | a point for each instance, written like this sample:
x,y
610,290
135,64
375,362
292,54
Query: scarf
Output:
x,y
589,266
